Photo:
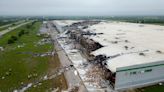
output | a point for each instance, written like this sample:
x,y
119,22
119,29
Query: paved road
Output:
x,y
72,79
7,25
12,28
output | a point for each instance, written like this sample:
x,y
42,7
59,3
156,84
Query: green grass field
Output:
x,y
15,67
154,88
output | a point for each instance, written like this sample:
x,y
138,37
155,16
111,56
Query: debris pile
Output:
x,y
21,46
54,89
52,53
44,54
73,89
44,41
95,76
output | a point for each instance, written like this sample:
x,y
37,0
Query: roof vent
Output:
x,y
158,51
126,41
141,54
126,47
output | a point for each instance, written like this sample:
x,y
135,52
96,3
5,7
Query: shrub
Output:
x,y
28,26
21,33
12,39
13,24
26,32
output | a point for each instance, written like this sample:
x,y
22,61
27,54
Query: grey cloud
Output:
x,y
81,7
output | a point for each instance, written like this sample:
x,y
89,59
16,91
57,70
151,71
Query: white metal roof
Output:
x,y
137,37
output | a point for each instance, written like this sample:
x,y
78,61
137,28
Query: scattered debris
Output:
x,y
39,54
73,89
44,54
8,73
3,78
10,69
39,82
22,83
96,76
34,86
35,74
1,49
24,88
29,76
44,41
55,90
15,91
45,77
21,45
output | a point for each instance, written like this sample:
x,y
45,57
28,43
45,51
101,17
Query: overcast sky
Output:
x,y
81,7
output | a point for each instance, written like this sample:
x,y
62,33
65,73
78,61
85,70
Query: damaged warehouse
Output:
x,y
126,54
126,64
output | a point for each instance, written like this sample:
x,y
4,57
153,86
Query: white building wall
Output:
x,y
139,75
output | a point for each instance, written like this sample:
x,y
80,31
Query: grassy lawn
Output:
x,y
155,88
58,82
162,24
15,67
